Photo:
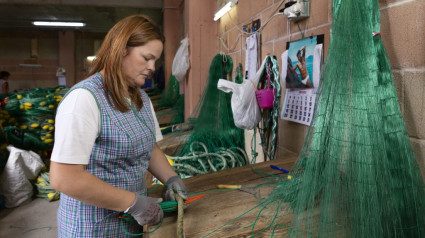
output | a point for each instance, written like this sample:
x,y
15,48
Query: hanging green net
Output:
x,y
170,95
215,142
170,107
357,175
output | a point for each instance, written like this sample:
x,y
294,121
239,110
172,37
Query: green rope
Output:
x,y
275,111
268,127
202,161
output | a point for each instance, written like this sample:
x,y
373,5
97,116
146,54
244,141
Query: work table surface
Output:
x,y
217,208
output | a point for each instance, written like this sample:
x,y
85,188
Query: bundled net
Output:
x,y
44,190
28,118
357,175
215,142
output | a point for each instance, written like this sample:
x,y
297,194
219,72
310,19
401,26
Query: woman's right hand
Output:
x,y
146,210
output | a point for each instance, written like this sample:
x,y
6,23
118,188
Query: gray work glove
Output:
x,y
174,184
146,210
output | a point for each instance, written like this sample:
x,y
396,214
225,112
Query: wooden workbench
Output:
x,y
217,208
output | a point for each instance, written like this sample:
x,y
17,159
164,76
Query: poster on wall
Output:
x,y
301,77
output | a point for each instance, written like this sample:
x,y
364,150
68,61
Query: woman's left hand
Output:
x,y
174,184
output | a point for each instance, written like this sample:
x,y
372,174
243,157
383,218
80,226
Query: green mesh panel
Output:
x,y
357,175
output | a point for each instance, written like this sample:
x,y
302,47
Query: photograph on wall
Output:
x,y
301,77
302,56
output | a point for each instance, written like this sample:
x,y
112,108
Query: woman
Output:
x,y
105,139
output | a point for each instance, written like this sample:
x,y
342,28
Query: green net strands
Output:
x,y
173,103
357,175
170,95
268,126
215,142
173,115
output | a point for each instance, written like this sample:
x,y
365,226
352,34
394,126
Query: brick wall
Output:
x,y
403,33
15,49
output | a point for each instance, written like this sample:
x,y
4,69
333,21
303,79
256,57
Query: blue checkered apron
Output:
x,y
120,157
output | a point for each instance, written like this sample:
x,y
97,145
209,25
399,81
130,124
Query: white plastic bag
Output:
x,y
21,166
246,111
181,60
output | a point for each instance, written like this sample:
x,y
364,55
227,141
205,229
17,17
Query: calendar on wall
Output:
x,y
301,75
299,106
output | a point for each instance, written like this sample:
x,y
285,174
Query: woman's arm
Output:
x,y
159,166
77,183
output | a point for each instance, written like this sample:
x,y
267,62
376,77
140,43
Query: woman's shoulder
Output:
x,y
93,80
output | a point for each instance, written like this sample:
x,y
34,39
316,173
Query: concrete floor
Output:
x,y
36,219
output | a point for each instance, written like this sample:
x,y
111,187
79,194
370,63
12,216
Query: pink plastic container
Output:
x,y
265,97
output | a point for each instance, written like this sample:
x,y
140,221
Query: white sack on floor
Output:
x,y
21,166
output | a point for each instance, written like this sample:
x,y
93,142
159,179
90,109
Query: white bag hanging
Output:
x,y
246,112
181,60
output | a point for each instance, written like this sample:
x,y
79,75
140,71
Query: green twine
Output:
x,y
234,219
197,162
171,206
259,214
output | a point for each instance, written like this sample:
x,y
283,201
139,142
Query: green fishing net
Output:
x,y
357,175
170,95
170,107
28,118
215,143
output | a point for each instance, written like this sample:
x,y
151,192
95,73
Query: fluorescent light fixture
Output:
x,y
57,23
223,10
91,58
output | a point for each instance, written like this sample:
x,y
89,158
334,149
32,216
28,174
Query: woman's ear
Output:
x,y
126,51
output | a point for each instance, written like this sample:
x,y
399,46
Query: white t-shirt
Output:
x,y
77,127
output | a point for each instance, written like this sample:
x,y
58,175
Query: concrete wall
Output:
x,y
403,31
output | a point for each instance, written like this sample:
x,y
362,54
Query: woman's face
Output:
x,y
139,62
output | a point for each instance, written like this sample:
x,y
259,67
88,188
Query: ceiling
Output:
x,y
99,15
